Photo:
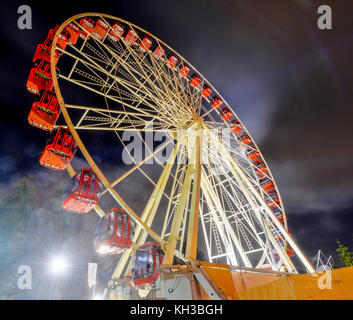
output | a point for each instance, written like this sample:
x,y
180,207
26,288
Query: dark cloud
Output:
x,y
289,82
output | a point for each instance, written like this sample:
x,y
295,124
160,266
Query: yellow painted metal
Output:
x,y
220,278
252,284
122,263
170,245
176,181
151,155
212,198
327,285
70,170
191,244
148,213
80,144
238,172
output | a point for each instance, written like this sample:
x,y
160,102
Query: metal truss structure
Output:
x,y
206,193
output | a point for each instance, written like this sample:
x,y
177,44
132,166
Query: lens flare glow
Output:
x,y
58,265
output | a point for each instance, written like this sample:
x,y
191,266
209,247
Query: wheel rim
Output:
x,y
175,106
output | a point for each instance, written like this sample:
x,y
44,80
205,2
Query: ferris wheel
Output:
x,y
207,184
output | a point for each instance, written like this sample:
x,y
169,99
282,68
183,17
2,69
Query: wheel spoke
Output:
x,y
206,177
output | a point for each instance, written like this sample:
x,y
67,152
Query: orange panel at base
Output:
x,y
246,280
336,284
328,285
221,276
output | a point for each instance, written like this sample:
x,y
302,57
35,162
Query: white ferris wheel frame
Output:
x,y
247,227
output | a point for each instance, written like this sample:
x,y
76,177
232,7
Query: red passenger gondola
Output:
x,y
244,138
43,51
236,125
274,207
101,29
253,155
40,77
158,52
52,32
289,250
257,161
266,184
74,32
114,232
172,61
116,32
63,39
89,25
145,44
82,192
184,71
279,215
281,218
59,151
195,81
272,196
226,114
131,37
290,253
216,102
206,91
146,263
45,111
261,169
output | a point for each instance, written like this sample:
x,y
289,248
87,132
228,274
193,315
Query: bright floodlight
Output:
x,y
58,265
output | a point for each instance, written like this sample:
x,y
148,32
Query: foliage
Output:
x,y
14,209
344,255
33,225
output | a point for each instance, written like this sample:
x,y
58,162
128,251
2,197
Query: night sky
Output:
x,y
289,82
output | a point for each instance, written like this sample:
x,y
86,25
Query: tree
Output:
x,y
15,208
33,227
344,255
